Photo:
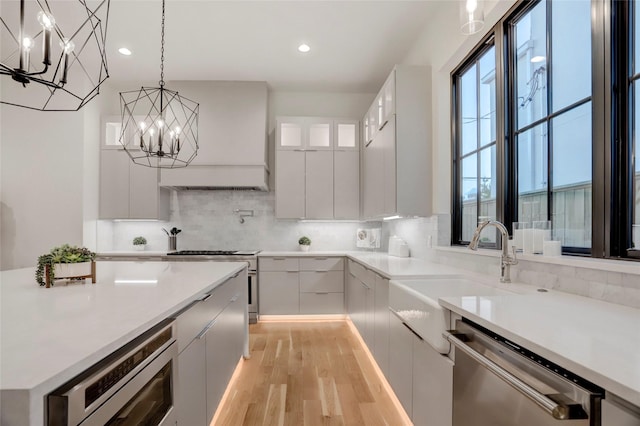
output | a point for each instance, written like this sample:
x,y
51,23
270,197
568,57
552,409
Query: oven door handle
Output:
x,y
551,407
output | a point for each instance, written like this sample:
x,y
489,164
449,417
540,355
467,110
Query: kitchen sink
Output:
x,y
415,302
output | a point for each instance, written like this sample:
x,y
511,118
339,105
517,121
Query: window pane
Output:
x,y
572,176
469,191
532,174
636,41
469,110
487,99
531,76
571,50
488,189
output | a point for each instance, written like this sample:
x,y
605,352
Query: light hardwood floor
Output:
x,y
307,373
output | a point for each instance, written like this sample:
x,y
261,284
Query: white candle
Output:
x,y
552,248
539,237
518,238
527,241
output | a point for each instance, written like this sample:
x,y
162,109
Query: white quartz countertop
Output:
x,y
597,340
48,335
388,266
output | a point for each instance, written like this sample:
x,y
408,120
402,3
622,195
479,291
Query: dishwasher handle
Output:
x,y
557,411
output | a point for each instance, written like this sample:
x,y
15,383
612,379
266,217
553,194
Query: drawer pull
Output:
x,y
320,258
279,258
292,272
321,272
207,297
322,292
206,328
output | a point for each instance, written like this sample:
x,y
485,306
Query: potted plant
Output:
x,y
304,243
139,243
66,262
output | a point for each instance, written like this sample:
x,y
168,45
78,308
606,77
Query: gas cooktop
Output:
x,y
212,253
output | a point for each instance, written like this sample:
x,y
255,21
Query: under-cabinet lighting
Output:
x,y
136,220
124,51
391,217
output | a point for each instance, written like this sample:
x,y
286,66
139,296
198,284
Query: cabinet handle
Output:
x,y
279,258
322,292
365,286
320,272
299,150
207,297
234,276
368,143
206,328
404,323
320,258
351,273
291,272
383,124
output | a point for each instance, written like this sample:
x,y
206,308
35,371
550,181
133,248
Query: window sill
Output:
x,y
609,265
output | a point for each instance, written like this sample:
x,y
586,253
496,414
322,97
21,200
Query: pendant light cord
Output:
x,y
162,50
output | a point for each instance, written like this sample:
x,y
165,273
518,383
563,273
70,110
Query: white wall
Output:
x,y
42,181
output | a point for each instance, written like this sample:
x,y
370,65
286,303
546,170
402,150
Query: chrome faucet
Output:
x,y
507,259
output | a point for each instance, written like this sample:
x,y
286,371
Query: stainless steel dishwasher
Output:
x,y
499,383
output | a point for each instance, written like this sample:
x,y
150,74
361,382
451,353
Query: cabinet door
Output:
x,y
290,133
432,386
191,395
617,412
321,281
346,186
144,193
216,362
373,121
401,362
319,185
290,184
319,133
369,283
374,185
389,99
346,135
279,293
114,184
321,303
388,145
381,324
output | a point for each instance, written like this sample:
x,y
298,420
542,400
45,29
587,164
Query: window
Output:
x,y
476,155
554,134
552,126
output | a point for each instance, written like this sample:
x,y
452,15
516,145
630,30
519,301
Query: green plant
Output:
x,y
63,254
304,241
139,241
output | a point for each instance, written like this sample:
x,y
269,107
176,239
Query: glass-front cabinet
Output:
x,y
304,133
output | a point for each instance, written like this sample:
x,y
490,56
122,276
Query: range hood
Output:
x,y
217,177
232,137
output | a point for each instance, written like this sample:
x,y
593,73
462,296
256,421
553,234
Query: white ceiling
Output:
x,y
354,44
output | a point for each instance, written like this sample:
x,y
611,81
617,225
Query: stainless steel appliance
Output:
x,y
229,255
497,382
132,386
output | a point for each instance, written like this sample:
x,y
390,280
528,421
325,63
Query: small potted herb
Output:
x,y
139,243
304,243
66,262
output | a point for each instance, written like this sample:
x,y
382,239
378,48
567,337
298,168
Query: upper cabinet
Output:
x,y
232,135
317,168
397,148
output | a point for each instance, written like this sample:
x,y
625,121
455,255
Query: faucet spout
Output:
x,y
506,259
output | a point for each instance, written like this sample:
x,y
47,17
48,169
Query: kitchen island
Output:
x,y
50,335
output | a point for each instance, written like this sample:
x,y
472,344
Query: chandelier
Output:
x,y
67,70
471,16
159,127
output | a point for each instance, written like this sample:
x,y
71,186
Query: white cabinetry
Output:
x,y
432,386
305,285
397,149
361,300
129,190
317,168
210,335
401,362
617,412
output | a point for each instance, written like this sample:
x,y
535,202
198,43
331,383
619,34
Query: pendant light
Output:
x,y
159,127
55,51
471,16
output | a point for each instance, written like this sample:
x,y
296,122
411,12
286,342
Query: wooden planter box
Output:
x,y
72,270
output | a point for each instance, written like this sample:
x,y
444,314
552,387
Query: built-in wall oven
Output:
x,y
499,383
132,386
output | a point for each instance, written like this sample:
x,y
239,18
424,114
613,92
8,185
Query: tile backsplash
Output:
x,y
209,222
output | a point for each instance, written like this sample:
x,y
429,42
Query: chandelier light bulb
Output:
x,y
160,124
46,20
27,44
151,131
177,130
143,126
67,46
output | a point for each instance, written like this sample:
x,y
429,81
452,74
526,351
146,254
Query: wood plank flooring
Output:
x,y
307,374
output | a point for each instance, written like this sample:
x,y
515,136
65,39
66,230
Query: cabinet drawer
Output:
x,y
321,281
278,264
358,270
321,303
321,264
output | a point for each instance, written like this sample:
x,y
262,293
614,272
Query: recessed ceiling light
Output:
x,y
124,51
304,48
537,59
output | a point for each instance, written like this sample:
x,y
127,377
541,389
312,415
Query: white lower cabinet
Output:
x,y
210,351
301,285
617,412
381,323
432,386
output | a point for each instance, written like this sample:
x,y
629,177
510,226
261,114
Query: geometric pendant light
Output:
x,y
159,127
52,53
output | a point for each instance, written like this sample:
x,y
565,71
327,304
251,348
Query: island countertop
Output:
x,y
49,335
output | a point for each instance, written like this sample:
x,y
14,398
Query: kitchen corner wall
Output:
x,y
208,222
